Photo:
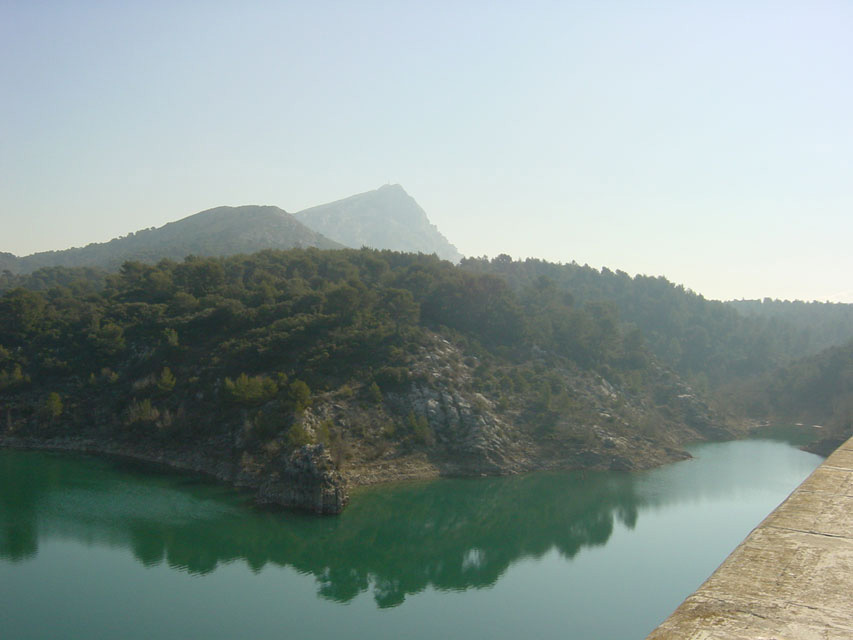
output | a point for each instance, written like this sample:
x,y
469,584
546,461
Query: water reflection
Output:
x,y
449,534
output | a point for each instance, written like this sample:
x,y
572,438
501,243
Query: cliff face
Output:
x,y
305,479
387,218
437,424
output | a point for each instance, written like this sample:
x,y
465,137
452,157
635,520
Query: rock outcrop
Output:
x,y
306,479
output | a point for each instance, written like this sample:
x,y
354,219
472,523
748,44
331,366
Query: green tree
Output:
x,y
300,396
419,426
20,313
53,406
297,436
401,307
374,392
250,390
170,337
343,301
142,412
200,276
16,378
108,340
166,381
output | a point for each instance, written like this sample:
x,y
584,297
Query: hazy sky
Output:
x,y
710,142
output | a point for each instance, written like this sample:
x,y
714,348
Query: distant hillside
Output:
x,y
711,343
8,261
215,232
825,323
387,218
813,390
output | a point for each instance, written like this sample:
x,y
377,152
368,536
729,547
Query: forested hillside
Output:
x,y
708,341
815,390
378,356
825,323
351,367
77,280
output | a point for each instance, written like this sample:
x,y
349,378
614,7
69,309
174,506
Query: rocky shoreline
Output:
x,y
436,425
307,478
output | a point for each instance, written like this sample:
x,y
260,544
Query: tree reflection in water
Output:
x,y
398,540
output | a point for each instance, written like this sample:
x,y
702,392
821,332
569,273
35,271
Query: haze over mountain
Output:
x,y
711,144
219,231
386,218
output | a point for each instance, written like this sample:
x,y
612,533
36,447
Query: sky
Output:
x,y
708,142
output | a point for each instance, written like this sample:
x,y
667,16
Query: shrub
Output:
x,y
299,395
298,436
420,428
392,376
374,393
170,337
166,381
250,390
324,432
53,405
142,412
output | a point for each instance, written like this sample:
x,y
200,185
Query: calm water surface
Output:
x,y
91,548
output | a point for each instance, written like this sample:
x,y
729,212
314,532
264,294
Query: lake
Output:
x,y
96,548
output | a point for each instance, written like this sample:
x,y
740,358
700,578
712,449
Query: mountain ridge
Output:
x,y
217,231
385,218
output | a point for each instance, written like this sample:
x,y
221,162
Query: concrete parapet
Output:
x,y
791,579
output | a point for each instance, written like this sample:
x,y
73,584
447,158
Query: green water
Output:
x,y
92,548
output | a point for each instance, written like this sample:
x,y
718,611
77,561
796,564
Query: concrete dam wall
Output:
x,y
791,579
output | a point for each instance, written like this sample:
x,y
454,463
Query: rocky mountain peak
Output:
x,y
385,218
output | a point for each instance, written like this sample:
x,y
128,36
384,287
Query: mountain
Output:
x,y
386,218
215,232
